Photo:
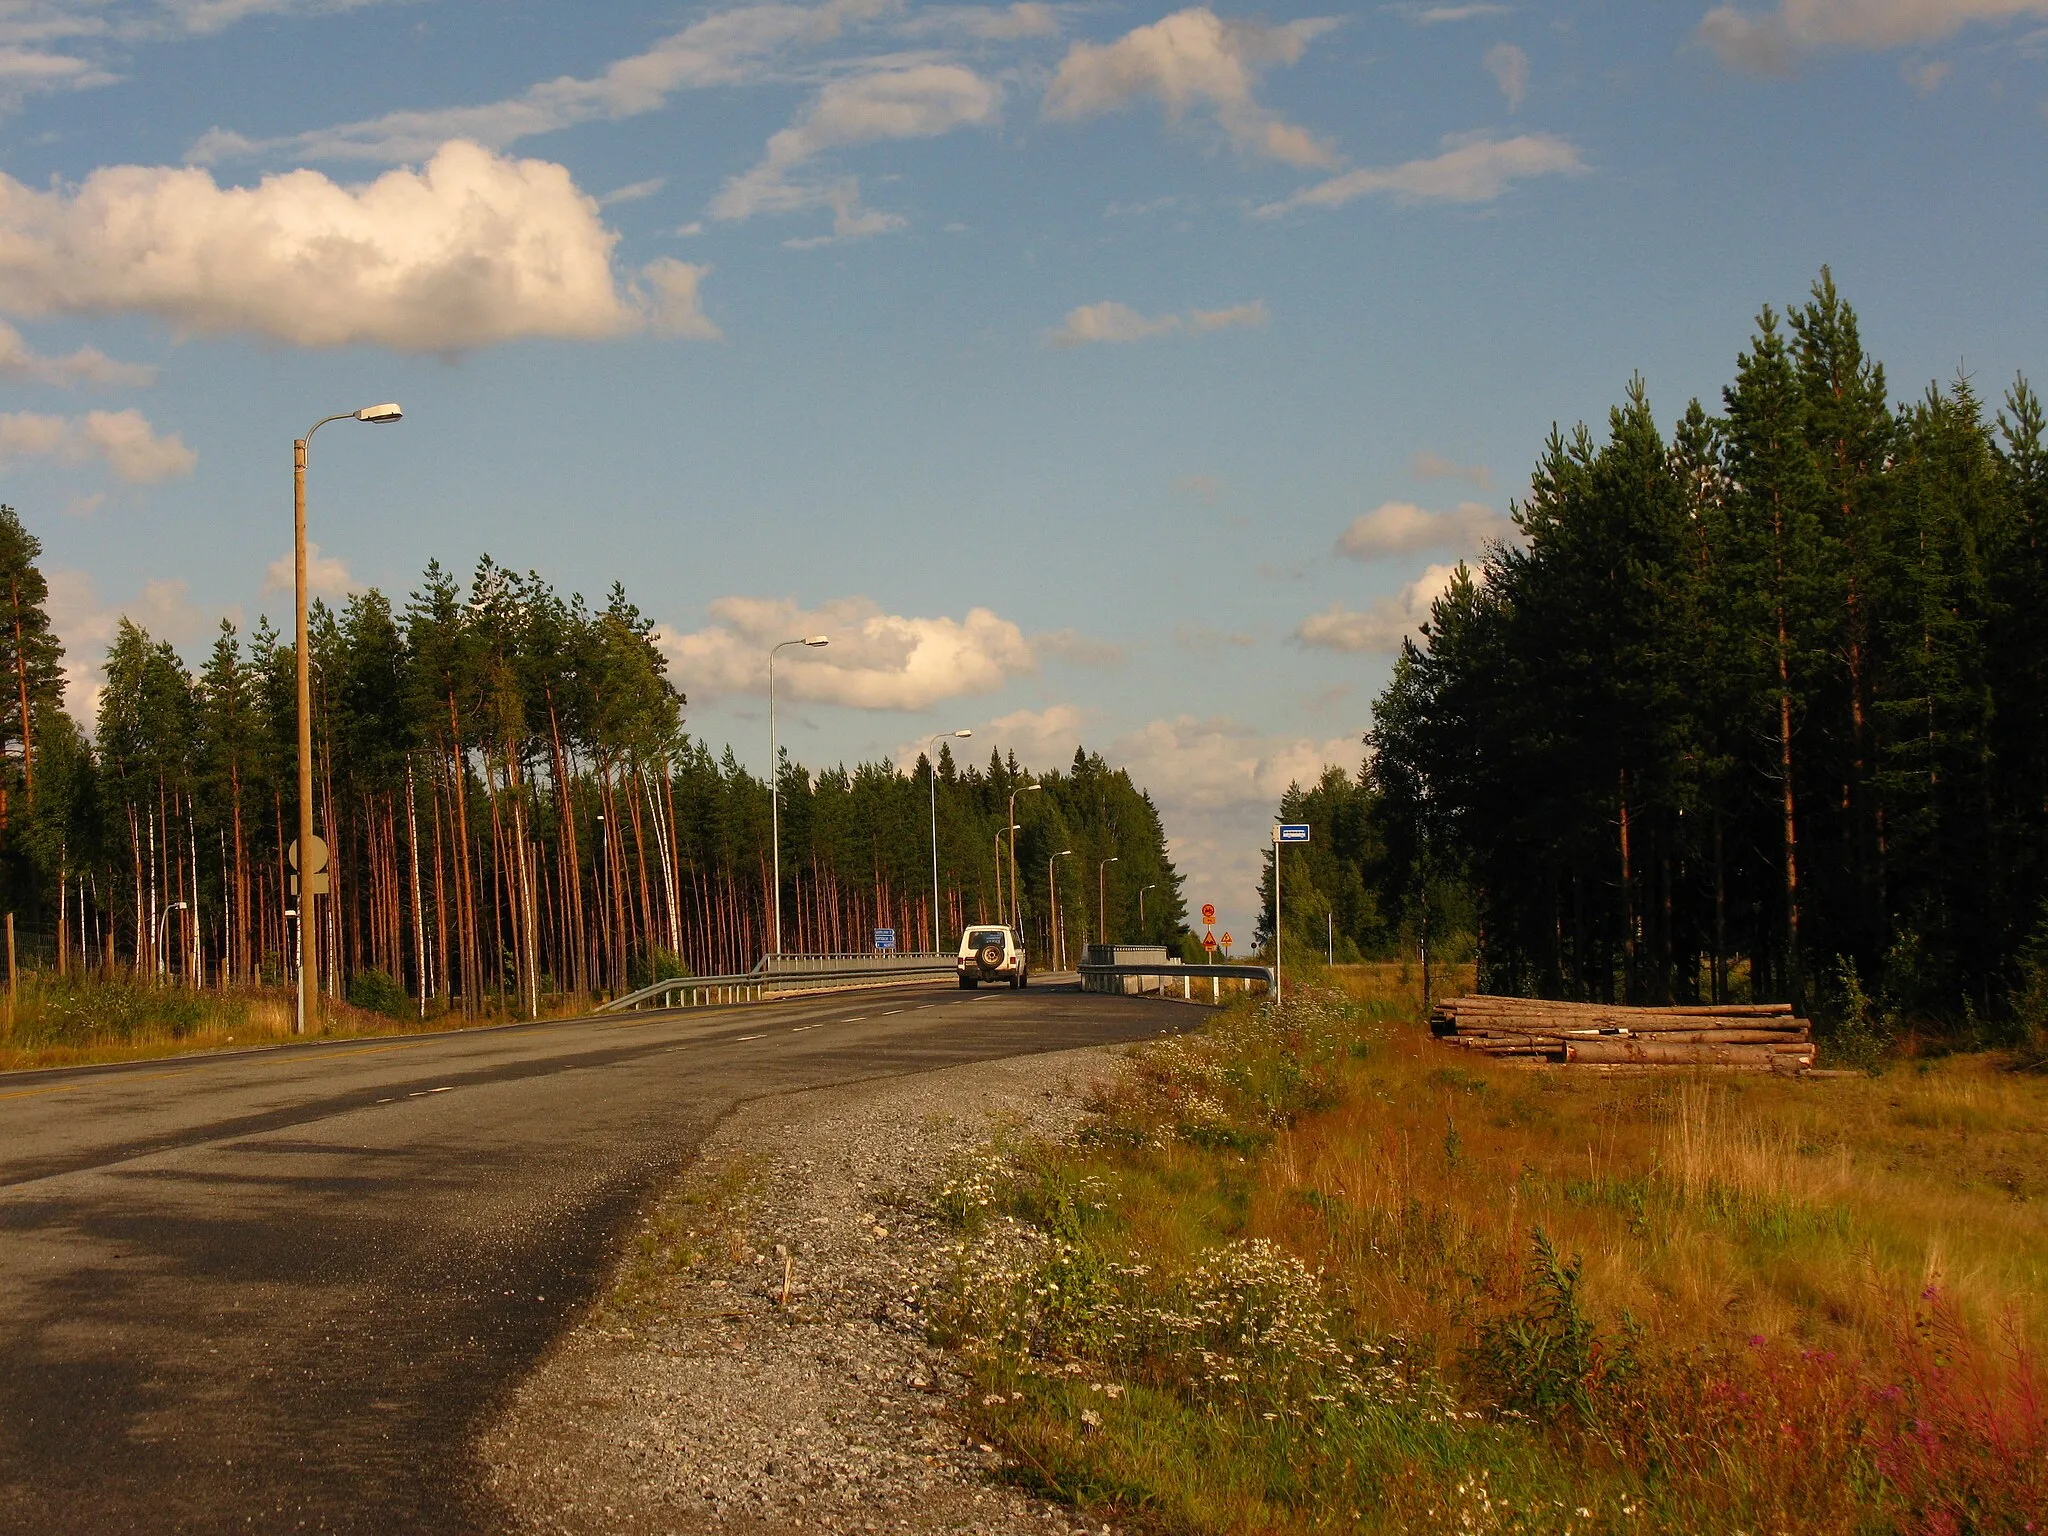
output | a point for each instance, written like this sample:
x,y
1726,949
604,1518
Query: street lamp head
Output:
x,y
1029,787
381,415
1112,859
963,735
1063,853
817,640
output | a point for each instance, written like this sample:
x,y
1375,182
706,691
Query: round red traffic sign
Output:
x,y
1208,912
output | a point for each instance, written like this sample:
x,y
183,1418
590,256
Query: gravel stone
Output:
x,y
697,1400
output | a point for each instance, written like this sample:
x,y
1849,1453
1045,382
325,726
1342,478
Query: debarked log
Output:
x,y
1661,1053
1481,1001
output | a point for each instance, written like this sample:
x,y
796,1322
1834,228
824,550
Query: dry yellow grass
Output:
x,y
1757,1303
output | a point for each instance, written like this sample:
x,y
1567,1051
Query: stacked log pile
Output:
x,y
1753,1037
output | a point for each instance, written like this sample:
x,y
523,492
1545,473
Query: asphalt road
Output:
x,y
280,1290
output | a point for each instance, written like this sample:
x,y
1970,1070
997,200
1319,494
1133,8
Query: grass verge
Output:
x,y
71,1021
1309,1271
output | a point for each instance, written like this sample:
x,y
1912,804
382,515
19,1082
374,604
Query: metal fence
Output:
x,y
790,975
1156,979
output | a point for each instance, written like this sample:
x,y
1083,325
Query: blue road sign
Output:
x,y
1292,832
885,938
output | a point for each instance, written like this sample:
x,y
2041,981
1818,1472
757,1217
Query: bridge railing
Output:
x,y
786,975
1159,979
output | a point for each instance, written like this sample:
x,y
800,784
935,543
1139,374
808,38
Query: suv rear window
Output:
x,y
983,936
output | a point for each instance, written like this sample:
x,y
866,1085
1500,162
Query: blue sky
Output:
x,y
1106,373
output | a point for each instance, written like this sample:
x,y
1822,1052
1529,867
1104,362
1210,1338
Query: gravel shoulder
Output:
x,y
695,1397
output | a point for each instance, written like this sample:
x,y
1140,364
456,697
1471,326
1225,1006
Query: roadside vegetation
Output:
x,y
1750,703
74,1021
1307,1270
518,822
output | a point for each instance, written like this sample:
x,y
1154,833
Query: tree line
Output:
x,y
513,805
1755,706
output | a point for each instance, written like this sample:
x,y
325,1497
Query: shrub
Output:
x,y
375,991
1856,1032
1548,1358
656,964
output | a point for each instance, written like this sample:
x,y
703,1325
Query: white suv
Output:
x,y
992,952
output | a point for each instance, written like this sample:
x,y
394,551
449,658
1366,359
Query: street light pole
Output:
x,y
775,778
1016,907
932,772
309,932
1141,906
1052,901
1102,899
163,924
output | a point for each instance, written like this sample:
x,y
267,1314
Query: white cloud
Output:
x,y
123,440
1041,738
732,47
1472,170
86,627
326,575
1217,783
1772,42
916,101
1194,59
1215,780
1401,527
986,23
1082,650
633,191
1110,321
1385,625
1436,15
88,365
672,305
31,71
132,448
29,29
1434,466
471,249
1927,78
876,660
1509,67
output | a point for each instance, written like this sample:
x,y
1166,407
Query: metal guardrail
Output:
x,y
787,975
1115,978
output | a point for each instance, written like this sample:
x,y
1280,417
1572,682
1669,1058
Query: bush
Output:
x,y
375,991
1547,1359
1856,1031
657,964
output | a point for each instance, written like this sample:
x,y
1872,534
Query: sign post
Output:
x,y
1283,832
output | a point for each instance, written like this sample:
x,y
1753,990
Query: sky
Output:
x,y
1091,373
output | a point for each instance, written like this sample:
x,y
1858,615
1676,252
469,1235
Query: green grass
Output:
x,y
1310,1271
74,1020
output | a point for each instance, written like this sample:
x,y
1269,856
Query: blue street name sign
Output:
x,y
1292,832
885,938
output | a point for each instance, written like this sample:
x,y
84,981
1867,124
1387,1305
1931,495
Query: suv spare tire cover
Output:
x,y
991,957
